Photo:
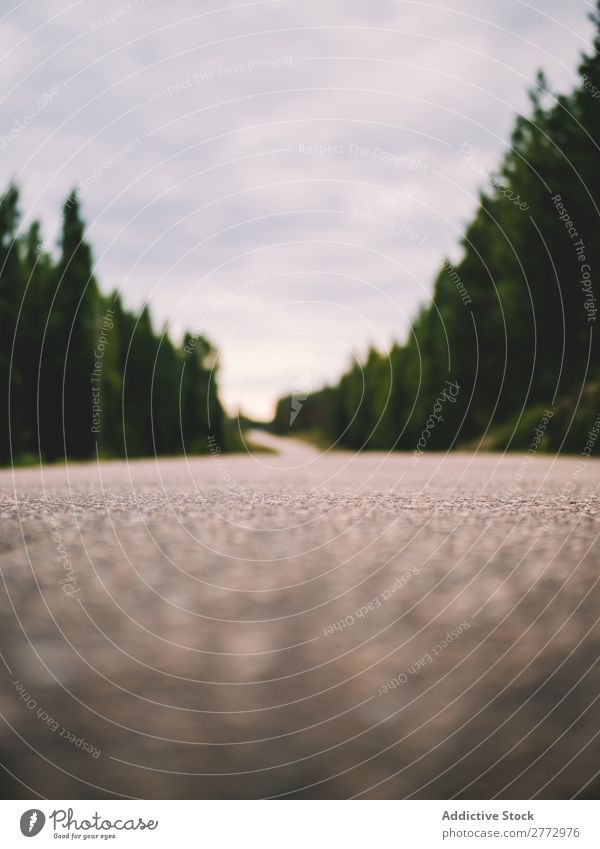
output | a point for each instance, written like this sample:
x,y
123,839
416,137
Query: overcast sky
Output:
x,y
282,175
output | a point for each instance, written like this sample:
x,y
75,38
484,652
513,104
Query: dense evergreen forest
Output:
x,y
506,354
79,372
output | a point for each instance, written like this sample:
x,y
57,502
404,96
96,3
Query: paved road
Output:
x,y
301,625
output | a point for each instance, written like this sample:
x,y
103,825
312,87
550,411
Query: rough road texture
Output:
x,y
177,618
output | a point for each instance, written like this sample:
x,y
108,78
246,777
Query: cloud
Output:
x,y
311,144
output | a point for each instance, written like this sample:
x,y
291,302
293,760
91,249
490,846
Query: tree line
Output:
x,y
82,375
513,323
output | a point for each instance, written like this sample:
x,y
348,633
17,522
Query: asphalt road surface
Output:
x,y
299,625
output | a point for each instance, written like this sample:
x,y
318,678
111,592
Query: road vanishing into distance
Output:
x,y
298,624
